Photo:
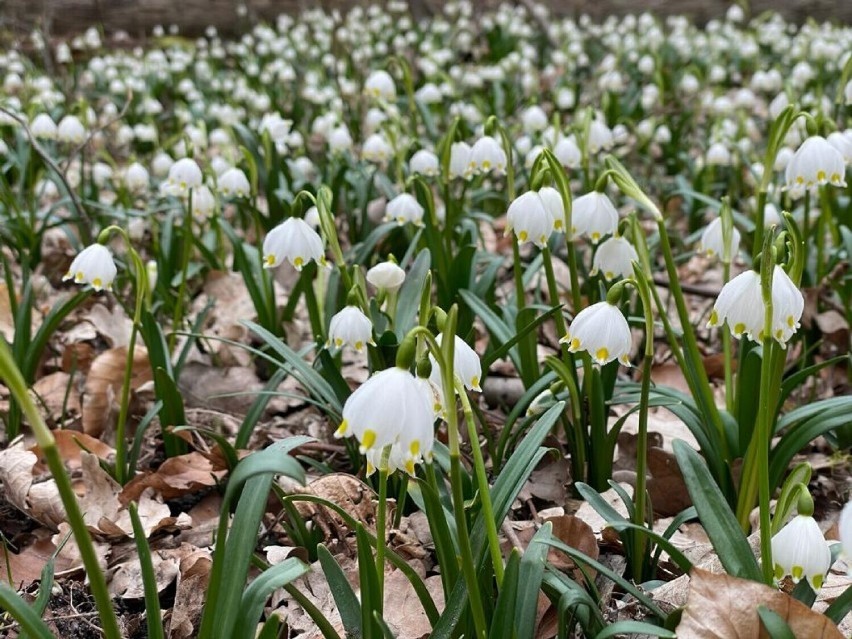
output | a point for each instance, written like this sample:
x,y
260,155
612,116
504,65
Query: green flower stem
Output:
x,y
639,498
693,355
177,319
806,231
381,525
482,485
11,375
520,298
444,356
141,274
759,218
727,353
313,307
765,416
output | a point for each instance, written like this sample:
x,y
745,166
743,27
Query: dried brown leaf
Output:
x,y
38,500
103,386
724,607
573,531
177,476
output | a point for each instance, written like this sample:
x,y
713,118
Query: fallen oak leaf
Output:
x,y
103,386
720,606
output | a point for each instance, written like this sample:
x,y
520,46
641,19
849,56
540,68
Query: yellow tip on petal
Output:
x,y
298,262
522,236
602,355
341,430
368,439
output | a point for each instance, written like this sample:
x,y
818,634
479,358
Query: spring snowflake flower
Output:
x,y
529,219
487,155
534,119
386,275
594,215
339,139
203,202
815,163
600,137
712,243
424,162
94,266
234,182
350,327
718,155
376,149
460,166
843,143
380,84
568,153
136,177
390,407
466,366
404,208
614,258
295,241
800,550
184,175
845,525
43,127
552,201
740,304
602,331
71,130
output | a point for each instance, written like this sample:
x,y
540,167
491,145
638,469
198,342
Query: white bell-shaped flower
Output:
x,y
339,139
814,164
842,143
295,241
424,162
43,127
712,242
94,266
568,153
800,550
71,130
529,219
600,137
788,303
467,367
593,215
740,304
718,155
486,156
460,166
845,526
350,327
185,174
414,442
136,177
534,119
386,275
614,258
376,149
602,331
552,201
380,84
203,202
404,208
234,183
382,408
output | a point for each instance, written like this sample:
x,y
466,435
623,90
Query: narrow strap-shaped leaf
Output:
x,y
613,576
503,620
44,587
676,555
840,607
258,591
344,596
22,613
634,628
256,409
530,577
271,628
716,516
369,582
149,578
409,295
774,625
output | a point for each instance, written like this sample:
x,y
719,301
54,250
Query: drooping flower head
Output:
x,y
614,258
740,304
386,275
392,408
94,266
712,242
593,215
350,327
404,208
815,163
602,331
529,219
184,175
295,241
800,550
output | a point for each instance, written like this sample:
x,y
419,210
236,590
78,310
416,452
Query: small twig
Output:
x,y
511,536
700,291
